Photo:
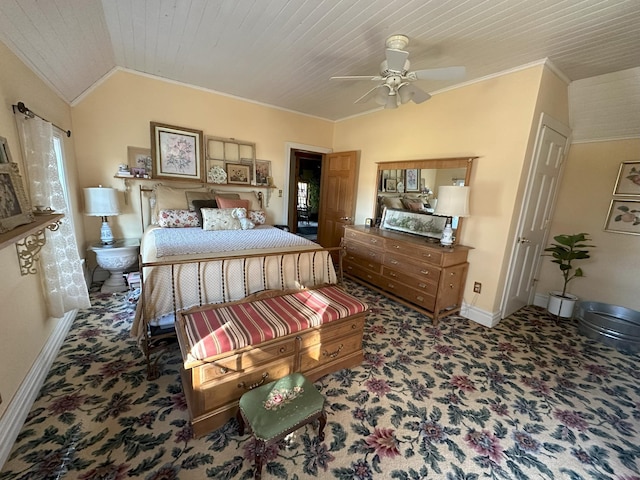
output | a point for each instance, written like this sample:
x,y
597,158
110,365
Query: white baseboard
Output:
x,y
17,411
482,317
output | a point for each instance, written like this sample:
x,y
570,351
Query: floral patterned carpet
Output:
x,y
529,398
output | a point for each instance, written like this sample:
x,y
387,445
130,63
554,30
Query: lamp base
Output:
x,y
447,235
106,236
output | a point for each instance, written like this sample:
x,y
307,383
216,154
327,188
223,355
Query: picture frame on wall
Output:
x,y
238,173
412,180
5,155
628,182
140,162
623,217
176,152
263,172
15,209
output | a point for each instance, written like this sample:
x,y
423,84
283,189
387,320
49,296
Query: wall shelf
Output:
x,y
29,239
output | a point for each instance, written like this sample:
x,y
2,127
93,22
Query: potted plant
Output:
x,y
566,250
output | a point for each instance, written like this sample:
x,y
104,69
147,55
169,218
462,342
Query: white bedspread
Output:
x,y
179,241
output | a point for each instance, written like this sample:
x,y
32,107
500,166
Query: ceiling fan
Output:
x,y
396,87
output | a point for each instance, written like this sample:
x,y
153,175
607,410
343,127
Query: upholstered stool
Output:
x,y
275,410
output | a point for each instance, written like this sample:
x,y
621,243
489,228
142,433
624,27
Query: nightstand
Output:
x,y
116,258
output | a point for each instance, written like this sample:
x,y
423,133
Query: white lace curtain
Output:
x,y
63,286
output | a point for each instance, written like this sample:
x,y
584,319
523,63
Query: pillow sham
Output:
x,y
220,219
171,218
232,203
198,205
171,198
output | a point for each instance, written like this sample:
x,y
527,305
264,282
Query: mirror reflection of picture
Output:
x,y
390,185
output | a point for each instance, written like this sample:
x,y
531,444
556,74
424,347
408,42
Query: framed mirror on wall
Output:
x,y
412,185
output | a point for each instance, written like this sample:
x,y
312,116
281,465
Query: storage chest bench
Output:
x,y
230,348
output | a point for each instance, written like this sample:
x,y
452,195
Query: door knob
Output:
x,y
523,240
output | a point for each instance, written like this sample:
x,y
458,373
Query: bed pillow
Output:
x,y
170,218
220,219
392,202
232,203
258,217
194,195
171,198
198,205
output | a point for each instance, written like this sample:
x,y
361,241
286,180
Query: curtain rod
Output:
x,y
22,108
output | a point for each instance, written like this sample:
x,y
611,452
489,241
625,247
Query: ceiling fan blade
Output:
x,y
447,73
396,59
358,77
369,95
409,91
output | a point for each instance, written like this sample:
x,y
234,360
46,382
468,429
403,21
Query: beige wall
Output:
x,y
491,120
611,274
117,114
23,318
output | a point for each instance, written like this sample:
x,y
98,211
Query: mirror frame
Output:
x,y
432,163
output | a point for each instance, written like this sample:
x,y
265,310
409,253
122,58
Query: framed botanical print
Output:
x,y
628,182
176,153
412,180
14,205
623,217
238,173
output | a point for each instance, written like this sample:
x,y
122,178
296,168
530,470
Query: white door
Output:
x,y
537,209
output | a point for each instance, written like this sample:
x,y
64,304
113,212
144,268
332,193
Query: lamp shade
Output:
x,y
101,202
453,201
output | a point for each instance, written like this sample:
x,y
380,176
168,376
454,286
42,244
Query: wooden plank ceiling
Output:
x,y
282,52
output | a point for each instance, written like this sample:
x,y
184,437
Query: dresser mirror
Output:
x,y
412,185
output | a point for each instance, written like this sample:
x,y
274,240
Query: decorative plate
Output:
x,y
217,174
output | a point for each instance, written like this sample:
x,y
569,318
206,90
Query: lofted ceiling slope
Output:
x,y
283,52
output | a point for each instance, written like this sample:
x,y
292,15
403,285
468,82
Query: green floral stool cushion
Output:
x,y
279,408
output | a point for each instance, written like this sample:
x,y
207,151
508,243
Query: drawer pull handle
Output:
x,y
420,297
396,246
283,349
395,262
391,285
422,285
373,240
372,254
424,272
334,354
265,375
451,286
452,274
428,255
392,274
353,326
224,370
369,277
371,265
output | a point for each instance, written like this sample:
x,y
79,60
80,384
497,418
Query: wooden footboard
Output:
x,y
231,273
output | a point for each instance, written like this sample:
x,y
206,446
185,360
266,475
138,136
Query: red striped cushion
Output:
x,y
221,330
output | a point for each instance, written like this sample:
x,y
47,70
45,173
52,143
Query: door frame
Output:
x,y
289,163
545,121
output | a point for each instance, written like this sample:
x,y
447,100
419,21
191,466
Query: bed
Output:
x,y
184,265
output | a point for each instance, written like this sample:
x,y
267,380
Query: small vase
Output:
x,y
561,306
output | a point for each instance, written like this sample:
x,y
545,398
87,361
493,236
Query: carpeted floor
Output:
x,y
529,398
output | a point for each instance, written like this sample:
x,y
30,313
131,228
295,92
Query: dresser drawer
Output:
x,y
364,255
420,298
425,285
416,252
329,351
412,266
228,366
331,331
359,271
365,238
217,393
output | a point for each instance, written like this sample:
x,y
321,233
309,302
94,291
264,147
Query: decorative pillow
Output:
x,y
220,219
170,218
193,195
258,217
198,205
392,202
232,203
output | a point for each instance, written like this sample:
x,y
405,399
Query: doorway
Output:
x,y
306,193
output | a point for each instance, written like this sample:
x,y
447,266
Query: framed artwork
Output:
x,y
413,222
623,217
5,155
176,153
140,162
14,206
390,184
412,180
238,173
263,172
628,182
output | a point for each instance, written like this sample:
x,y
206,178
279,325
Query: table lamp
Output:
x,y
453,201
102,202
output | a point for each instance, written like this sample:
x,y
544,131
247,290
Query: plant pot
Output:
x,y
561,306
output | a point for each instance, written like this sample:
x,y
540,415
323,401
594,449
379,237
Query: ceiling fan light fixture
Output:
x,y
392,101
405,93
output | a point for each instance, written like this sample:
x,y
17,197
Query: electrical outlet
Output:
x,y
477,286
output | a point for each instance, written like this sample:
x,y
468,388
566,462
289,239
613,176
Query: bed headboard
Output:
x,y
175,196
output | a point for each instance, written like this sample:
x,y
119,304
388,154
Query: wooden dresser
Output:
x,y
424,276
